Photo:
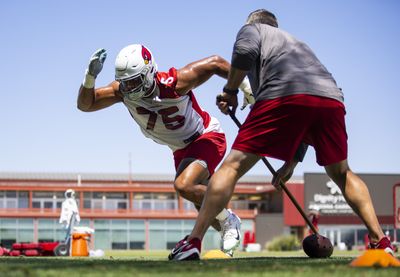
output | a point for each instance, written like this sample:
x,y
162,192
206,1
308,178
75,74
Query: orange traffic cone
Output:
x,y
375,258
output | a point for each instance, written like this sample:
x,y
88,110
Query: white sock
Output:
x,y
222,215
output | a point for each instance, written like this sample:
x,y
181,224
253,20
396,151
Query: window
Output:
x,y
87,204
14,199
188,206
122,205
49,199
105,200
119,234
11,194
155,201
23,199
15,230
262,202
362,236
11,203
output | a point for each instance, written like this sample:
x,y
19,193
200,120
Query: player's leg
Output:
x,y
190,180
197,163
190,184
192,175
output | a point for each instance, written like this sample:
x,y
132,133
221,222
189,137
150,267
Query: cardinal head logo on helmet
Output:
x,y
146,55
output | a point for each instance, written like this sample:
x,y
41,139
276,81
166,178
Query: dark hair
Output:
x,y
262,16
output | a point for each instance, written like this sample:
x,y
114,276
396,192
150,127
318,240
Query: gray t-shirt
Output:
x,y
280,65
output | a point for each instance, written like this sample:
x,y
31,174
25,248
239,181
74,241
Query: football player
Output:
x,y
164,106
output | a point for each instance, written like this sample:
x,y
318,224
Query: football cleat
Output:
x,y
230,229
230,253
186,250
384,244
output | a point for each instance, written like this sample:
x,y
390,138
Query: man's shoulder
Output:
x,y
168,78
166,82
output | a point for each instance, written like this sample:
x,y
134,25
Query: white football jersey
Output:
x,y
171,119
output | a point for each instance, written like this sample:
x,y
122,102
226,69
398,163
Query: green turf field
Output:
x,y
154,263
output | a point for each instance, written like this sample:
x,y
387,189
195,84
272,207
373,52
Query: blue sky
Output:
x,y
46,45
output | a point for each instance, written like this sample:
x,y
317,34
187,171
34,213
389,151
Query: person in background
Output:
x,y
69,210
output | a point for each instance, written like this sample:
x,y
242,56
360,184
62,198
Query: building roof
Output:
x,y
71,176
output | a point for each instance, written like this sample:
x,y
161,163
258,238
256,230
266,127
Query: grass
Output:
x,y
154,263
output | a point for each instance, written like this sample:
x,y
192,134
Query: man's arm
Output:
x,y
228,98
91,99
196,73
245,53
286,171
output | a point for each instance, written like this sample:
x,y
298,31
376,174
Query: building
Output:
x,y
144,212
337,221
139,213
318,195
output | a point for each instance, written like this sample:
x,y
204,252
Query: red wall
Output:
x,y
290,214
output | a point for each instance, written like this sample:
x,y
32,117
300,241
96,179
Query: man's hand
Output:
x,y
283,174
96,62
225,101
95,66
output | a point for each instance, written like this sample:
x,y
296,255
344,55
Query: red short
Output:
x,y
209,147
275,128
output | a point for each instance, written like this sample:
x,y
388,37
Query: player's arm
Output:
x,y
91,99
198,72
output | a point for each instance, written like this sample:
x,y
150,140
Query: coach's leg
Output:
x,y
356,193
220,189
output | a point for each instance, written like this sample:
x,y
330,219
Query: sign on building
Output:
x,y
330,201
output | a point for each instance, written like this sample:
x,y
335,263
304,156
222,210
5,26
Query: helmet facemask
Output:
x,y
138,86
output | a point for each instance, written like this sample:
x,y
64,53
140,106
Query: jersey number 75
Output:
x,y
170,122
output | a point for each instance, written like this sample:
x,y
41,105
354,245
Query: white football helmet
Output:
x,y
135,70
69,193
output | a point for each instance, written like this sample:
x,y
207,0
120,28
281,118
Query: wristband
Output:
x,y
88,81
230,91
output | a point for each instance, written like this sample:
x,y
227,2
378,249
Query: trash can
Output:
x,y
80,244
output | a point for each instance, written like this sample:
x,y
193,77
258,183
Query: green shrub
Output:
x,y
283,243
